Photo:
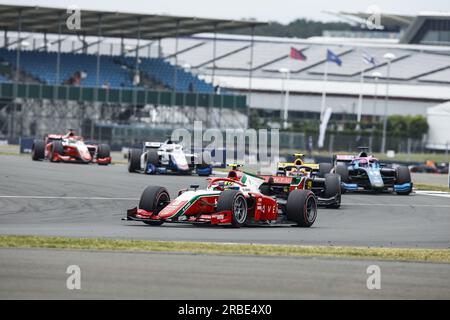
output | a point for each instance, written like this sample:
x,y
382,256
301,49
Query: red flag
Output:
x,y
297,54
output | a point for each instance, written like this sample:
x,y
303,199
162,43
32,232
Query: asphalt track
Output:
x,y
41,274
42,198
57,199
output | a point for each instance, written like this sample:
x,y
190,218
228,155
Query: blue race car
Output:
x,y
364,172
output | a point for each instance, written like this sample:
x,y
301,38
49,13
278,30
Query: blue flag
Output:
x,y
333,58
369,59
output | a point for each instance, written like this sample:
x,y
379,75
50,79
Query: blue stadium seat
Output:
x,y
42,67
114,70
3,79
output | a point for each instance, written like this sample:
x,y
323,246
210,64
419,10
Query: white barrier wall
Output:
x,y
438,120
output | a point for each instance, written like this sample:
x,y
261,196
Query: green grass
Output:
x,y
395,254
430,187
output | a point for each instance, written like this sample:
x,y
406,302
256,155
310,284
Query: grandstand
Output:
x,y
149,63
115,71
417,74
108,74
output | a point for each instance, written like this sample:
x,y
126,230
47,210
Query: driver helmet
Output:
x,y
362,162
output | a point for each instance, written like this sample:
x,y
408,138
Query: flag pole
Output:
x,y
286,98
324,93
360,99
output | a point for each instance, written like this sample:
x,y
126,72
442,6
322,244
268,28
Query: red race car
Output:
x,y
235,200
70,148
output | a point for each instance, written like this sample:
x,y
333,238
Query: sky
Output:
x,y
283,11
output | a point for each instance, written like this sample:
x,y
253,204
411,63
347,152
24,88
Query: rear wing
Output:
x,y
279,180
344,158
152,145
53,137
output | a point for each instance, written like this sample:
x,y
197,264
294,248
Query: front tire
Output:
x,y
301,207
151,157
134,160
343,172
403,176
38,150
103,151
154,199
202,166
234,201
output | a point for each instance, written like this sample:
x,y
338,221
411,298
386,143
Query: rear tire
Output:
x,y
234,201
134,160
301,207
154,199
403,176
324,168
57,147
38,150
333,189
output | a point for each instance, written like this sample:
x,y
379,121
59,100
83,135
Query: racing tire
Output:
x,y
154,199
203,165
153,157
103,151
57,147
403,176
324,168
301,207
134,160
38,150
343,172
333,189
234,201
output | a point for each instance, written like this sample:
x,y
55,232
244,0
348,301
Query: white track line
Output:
x,y
396,205
67,198
136,199
433,193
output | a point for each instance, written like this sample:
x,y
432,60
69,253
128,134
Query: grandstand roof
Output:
x,y
114,24
389,20
342,88
415,31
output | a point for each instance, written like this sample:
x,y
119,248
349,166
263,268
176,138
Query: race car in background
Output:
x,y
365,172
70,148
157,157
316,177
430,167
318,169
236,200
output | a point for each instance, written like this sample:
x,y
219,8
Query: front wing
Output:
x,y
218,218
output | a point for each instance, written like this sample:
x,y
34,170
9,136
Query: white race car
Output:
x,y
157,157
